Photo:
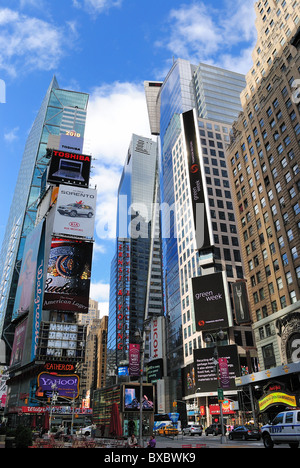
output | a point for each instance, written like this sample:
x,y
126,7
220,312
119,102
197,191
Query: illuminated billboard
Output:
x,y
67,285
69,168
66,386
211,302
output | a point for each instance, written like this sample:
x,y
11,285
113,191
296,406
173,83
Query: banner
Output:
x,y
224,373
134,360
67,286
75,212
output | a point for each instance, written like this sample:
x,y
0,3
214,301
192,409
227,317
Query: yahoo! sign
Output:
x,y
64,385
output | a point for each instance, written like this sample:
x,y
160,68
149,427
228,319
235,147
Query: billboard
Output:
x,y
211,302
240,302
201,376
18,345
75,212
67,285
69,168
66,386
131,397
26,283
198,189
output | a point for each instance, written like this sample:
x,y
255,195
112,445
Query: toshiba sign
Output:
x,y
156,340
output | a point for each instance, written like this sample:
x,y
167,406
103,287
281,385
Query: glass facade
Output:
x,y
129,286
61,110
214,93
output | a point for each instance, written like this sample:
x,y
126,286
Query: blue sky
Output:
x,y
106,48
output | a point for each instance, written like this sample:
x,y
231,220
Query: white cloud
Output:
x,y
12,135
28,43
97,6
201,33
99,291
115,112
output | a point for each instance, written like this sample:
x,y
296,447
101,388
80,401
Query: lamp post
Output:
x,y
209,338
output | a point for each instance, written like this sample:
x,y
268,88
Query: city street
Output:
x,y
207,442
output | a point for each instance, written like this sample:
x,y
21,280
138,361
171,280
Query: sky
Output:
x,y
106,48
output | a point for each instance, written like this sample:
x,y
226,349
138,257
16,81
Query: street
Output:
x,y
207,442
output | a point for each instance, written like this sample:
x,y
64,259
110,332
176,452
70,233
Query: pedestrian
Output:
x,y
132,441
152,442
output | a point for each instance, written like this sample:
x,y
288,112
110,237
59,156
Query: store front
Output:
x,y
127,397
273,390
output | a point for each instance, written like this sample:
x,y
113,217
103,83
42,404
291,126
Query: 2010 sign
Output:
x,y
64,385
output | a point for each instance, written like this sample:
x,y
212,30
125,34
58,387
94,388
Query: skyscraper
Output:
x,y
62,111
135,286
216,102
264,168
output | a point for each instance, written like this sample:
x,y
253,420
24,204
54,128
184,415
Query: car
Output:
x,y
85,431
214,429
192,430
244,433
284,429
170,431
75,210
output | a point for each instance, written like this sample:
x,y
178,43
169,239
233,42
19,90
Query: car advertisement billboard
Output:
x,y
67,285
69,168
211,302
75,212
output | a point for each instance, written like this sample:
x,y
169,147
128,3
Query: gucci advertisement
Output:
x,y
67,284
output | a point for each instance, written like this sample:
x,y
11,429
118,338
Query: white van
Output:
x,y
284,429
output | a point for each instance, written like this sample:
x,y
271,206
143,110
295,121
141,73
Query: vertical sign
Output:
x,y
198,189
224,373
134,360
123,295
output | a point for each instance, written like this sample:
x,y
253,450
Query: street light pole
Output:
x,y
216,362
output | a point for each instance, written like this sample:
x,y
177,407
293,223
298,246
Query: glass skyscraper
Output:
x,y
214,93
62,111
136,274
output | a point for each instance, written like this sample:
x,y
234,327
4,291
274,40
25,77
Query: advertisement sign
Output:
x,y
18,345
69,168
75,212
201,376
198,189
71,143
64,385
211,302
26,283
38,294
224,373
132,398
156,338
134,360
67,285
240,302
